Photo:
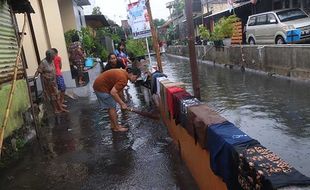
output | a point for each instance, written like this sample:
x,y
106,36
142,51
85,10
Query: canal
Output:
x,y
272,110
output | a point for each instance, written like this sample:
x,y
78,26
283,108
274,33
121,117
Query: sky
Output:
x,y
116,9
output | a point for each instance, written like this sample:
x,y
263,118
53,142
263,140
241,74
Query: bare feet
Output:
x,y
64,105
57,111
119,129
64,110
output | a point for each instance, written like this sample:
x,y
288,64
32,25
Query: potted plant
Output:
x,y
227,28
223,30
204,33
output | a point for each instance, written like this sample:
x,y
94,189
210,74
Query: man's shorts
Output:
x,y
105,100
61,83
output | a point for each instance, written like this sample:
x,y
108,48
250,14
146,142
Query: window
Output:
x,y
287,4
270,18
252,21
261,19
296,3
291,14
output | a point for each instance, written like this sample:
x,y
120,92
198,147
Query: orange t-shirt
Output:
x,y
117,78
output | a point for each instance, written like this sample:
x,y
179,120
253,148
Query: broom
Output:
x,y
145,114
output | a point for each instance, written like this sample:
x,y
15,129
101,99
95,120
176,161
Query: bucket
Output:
x,y
89,62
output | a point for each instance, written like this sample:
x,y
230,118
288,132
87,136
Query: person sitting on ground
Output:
x,y
108,86
113,63
48,73
121,54
77,57
59,78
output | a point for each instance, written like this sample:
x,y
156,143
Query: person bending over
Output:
x,y
108,85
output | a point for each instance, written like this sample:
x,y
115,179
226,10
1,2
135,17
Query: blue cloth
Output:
x,y
293,35
61,83
105,100
155,75
221,139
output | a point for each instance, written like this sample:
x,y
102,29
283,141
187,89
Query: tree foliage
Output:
x,y
158,22
135,47
204,32
224,28
96,11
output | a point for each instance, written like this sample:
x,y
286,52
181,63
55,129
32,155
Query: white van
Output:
x,y
278,27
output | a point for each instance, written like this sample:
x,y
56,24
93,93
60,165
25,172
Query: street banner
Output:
x,y
138,19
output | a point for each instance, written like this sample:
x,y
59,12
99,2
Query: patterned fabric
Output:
x,y
177,98
61,83
77,56
48,73
188,103
259,168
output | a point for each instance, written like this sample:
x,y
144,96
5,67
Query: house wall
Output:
x,y
67,15
20,105
49,33
72,15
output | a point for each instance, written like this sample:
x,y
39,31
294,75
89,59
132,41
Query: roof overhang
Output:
x,y
21,6
96,21
82,2
236,6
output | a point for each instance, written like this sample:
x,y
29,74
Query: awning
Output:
x,y
236,6
21,6
96,21
82,2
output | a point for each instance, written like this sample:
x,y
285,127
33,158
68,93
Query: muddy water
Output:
x,y
272,110
83,153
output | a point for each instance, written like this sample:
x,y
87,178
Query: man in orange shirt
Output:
x,y
108,86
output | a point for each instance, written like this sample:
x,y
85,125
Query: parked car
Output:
x,y
278,27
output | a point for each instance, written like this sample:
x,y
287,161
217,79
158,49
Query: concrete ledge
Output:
x,y
286,60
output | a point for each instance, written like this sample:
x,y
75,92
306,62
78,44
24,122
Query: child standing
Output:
x,y
59,78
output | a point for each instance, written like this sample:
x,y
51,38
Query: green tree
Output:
x,y
178,7
135,47
158,22
96,11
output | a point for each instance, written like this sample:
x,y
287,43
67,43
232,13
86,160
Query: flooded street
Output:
x,y
274,111
83,153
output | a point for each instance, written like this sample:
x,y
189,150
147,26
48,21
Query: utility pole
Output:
x,y
191,47
154,36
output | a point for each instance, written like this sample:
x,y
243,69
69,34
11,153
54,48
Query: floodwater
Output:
x,y
275,111
83,153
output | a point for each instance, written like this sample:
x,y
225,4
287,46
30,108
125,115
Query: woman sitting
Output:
x,y
113,63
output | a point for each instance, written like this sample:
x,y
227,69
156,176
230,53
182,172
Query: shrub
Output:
x,y
135,47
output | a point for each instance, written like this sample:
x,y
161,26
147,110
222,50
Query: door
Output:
x,y
272,27
260,32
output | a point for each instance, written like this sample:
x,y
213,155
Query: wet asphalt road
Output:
x,y
83,153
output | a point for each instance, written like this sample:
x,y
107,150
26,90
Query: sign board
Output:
x,y
138,19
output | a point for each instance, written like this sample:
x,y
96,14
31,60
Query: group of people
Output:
x,y
110,84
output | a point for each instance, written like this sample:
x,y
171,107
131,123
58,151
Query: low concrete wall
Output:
x,y
285,60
